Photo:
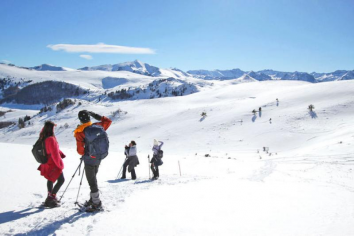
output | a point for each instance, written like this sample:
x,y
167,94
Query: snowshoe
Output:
x,y
94,208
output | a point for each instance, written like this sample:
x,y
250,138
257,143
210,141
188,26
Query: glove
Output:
x,y
94,115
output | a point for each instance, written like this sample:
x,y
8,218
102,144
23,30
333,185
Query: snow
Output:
x,y
303,186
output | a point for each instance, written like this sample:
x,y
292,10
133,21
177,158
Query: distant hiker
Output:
x,y
270,120
93,145
260,109
157,158
131,160
53,169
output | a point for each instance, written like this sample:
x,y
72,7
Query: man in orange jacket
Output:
x,y
91,162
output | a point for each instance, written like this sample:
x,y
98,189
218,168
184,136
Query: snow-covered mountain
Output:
x,y
134,66
16,82
336,75
47,67
130,80
139,67
217,74
273,75
259,76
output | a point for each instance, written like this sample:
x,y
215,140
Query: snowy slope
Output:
x,y
85,79
100,83
303,186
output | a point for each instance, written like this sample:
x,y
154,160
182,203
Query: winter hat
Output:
x,y
155,142
84,116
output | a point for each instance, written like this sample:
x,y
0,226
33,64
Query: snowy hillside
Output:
x,y
96,84
228,185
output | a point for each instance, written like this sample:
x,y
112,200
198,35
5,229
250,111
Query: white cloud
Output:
x,y
100,48
88,57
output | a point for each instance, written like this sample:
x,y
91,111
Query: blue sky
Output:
x,y
285,35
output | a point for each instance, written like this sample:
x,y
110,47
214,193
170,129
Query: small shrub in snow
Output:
x,y
21,123
203,114
27,118
64,104
45,109
4,124
118,112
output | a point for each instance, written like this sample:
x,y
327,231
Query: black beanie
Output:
x,y
84,116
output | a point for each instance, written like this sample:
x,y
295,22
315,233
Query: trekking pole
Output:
x,y
122,166
81,180
149,171
179,169
72,178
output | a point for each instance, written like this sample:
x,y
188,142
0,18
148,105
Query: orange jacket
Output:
x,y
80,136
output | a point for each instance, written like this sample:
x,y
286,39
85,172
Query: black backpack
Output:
x,y
39,151
160,154
96,142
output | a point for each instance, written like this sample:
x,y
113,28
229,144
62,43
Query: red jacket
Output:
x,y
54,166
80,136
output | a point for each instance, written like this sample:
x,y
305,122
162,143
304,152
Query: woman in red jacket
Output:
x,y
52,170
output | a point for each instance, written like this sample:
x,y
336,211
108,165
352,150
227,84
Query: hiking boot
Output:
x,y
54,196
123,177
94,207
88,203
51,201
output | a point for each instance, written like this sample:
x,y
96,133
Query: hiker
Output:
x,y
156,159
131,160
53,169
90,138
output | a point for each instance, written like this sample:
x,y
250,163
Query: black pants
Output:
x,y
133,172
155,170
58,185
90,173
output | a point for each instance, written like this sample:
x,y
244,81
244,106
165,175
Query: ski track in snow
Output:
x,y
266,170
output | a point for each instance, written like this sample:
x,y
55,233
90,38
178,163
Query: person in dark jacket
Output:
x,y
91,163
156,160
53,169
131,160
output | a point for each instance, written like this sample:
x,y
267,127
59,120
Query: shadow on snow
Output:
x,y
51,227
117,181
15,215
